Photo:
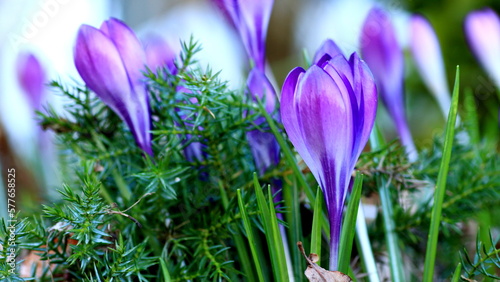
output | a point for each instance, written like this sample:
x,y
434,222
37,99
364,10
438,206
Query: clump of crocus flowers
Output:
x,y
328,113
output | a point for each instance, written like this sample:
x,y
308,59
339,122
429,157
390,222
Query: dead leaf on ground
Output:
x,y
316,273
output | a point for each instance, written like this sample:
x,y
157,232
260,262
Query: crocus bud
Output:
x,y
251,19
328,113
110,61
427,55
31,76
384,56
159,54
482,30
265,148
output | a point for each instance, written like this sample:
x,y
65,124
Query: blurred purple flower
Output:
x,y
251,19
328,47
31,76
482,30
110,61
193,150
384,56
159,53
265,148
328,113
427,55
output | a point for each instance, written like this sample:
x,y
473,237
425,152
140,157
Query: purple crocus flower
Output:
x,y
193,151
384,56
110,61
31,76
427,55
328,113
251,19
482,30
159,53
264,146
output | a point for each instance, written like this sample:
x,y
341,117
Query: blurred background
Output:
x,y
47,29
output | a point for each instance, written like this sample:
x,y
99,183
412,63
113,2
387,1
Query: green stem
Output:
x,y
364,245
391,237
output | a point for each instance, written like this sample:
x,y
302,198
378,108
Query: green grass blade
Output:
x,y
456,274
277,238
244,257
316,224
277,258
430,256
391,237
349,225
164,270
250,235
293,218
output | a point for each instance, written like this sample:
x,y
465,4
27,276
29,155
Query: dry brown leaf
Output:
x,y
316,273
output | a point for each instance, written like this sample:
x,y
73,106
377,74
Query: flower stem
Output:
x,y
365,247
391,238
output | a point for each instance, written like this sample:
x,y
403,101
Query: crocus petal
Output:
x,y
328,47
106,72
130,50
289,116
31,76
482,30
367,100
384,56
101,66
427,55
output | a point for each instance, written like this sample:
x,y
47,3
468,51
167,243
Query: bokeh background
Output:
x,y
48,29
